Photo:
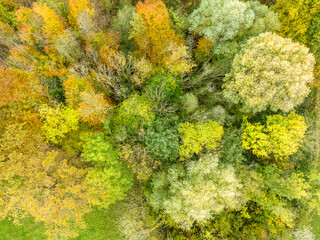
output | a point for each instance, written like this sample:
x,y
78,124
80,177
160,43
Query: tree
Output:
x,y
94,107
225,20
221,20
297,18
277,139
7,13
58,122
109,175
134,113
40,182
73,86
78,8
270,71
52,25
273,190
300,21
140,161
156,38
18,85
198,138
192,195
162,139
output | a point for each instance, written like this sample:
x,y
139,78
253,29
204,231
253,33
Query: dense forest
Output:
x,y
159,119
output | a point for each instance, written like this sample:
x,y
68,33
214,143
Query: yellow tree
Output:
x,y
278,139
300,21
37,181
18,85
79,6
94,107
38,28
156,39
52,24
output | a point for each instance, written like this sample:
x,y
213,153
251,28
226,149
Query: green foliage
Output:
x,y
134,113
163,95
270,71
189,102
273,191
221,20
7,14
108,174
162,139
55,87
167,84
198,138
233,151
297,18
265,20
58,122
139,160
99,150
278,139
112,182
193,195
180,20
122,21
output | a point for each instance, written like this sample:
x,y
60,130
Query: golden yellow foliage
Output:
x,y
94,107
52,24
156,39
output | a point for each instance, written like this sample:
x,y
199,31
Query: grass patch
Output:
x,y
101,225
316,226
29,230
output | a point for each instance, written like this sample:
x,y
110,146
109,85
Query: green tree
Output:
x,y
221,20
225,20
108,174
300,21
192,195
270,71
274,191
134,113
162,139
7,13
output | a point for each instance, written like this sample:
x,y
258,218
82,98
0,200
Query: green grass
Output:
x,y
29,230
101,225
316,226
